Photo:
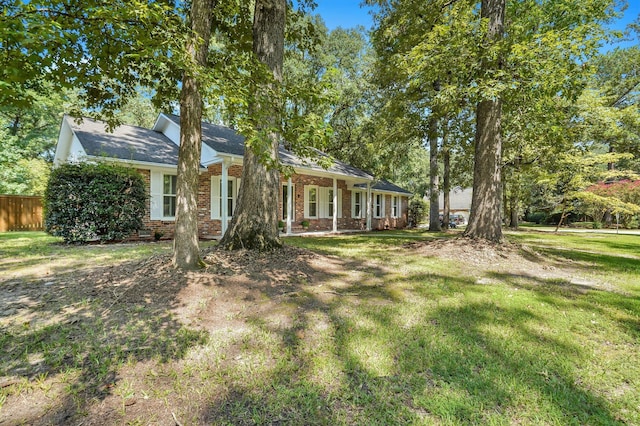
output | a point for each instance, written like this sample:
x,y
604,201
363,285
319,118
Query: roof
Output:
x,y
227,141
385,185
124,142
132,143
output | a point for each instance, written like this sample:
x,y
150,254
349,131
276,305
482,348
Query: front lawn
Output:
x,y
381,328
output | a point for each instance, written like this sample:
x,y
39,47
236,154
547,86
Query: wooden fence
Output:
x,y
20,213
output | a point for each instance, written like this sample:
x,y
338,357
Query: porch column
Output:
x,y
289,205
335,205
369,206
224,179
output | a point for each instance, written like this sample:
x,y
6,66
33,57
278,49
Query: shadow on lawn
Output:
x,y
86,329
459,362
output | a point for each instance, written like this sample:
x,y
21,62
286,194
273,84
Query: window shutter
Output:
x,y
215,197
339,203
353,204
155,190
322,202
384,199
306,201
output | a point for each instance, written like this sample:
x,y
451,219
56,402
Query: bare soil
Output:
x,y
137,308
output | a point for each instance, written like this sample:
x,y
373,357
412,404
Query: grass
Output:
x,y
29,254
404,339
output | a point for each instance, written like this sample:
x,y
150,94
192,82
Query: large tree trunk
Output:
x,y
434,190
255,221
486,212
446,184
186,250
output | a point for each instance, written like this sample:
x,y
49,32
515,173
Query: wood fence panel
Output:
x,y
20,213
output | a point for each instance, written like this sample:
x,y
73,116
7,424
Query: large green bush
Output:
x,y
90,202
417,211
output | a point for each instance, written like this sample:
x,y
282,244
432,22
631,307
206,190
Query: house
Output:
x,y
341,197
459,204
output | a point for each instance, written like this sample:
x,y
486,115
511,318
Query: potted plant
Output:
x,y
281,225
305,224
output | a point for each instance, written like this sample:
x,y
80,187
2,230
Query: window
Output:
x,y
378,205
230,198
285,199
169,196
313,202
395,206
216,196
358,204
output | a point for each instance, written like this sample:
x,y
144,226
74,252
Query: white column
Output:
x,y
224,197
289,205
369,210
335,205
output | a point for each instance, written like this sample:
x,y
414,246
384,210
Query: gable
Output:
x,y
129,143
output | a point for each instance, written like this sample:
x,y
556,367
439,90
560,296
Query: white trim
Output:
x,y
396,205
369,206
156,190
289,209
291,212
216,196
363,205
381,205
307,189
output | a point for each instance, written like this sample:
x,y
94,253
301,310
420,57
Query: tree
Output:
x,y
255,221
186,250
485,221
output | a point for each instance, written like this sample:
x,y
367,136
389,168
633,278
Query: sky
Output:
x,y
348,14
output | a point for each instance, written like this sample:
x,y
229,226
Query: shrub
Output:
x,y
536,217
89,202
417,212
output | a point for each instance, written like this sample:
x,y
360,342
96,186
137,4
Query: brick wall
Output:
x,y
210,228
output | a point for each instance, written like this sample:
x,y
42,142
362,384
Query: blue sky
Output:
x,y
348,14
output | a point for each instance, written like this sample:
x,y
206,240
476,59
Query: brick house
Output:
x,y
341,197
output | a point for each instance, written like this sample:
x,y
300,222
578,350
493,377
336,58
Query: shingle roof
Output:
x,y
385,185
227,141
124,142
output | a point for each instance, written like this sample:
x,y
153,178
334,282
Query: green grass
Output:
x,y
389,336
24,254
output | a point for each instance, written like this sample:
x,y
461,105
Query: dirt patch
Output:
x,y
489,262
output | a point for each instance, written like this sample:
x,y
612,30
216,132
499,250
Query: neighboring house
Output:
x,y
339,198
459,204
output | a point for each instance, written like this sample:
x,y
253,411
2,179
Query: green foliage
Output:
x,y
536,217
418,210
87,202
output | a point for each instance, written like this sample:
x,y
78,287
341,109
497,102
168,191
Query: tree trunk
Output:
x,y
562,215
485,221
255,221
513,211
513,196
186,250
434,190
446,184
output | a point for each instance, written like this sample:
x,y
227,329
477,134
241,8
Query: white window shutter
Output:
x,y
215,197
384,211
323,207
155,190
306,201
353,204
340,203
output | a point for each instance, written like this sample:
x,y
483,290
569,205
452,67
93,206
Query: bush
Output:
x,y
89,202
536,217
417,212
